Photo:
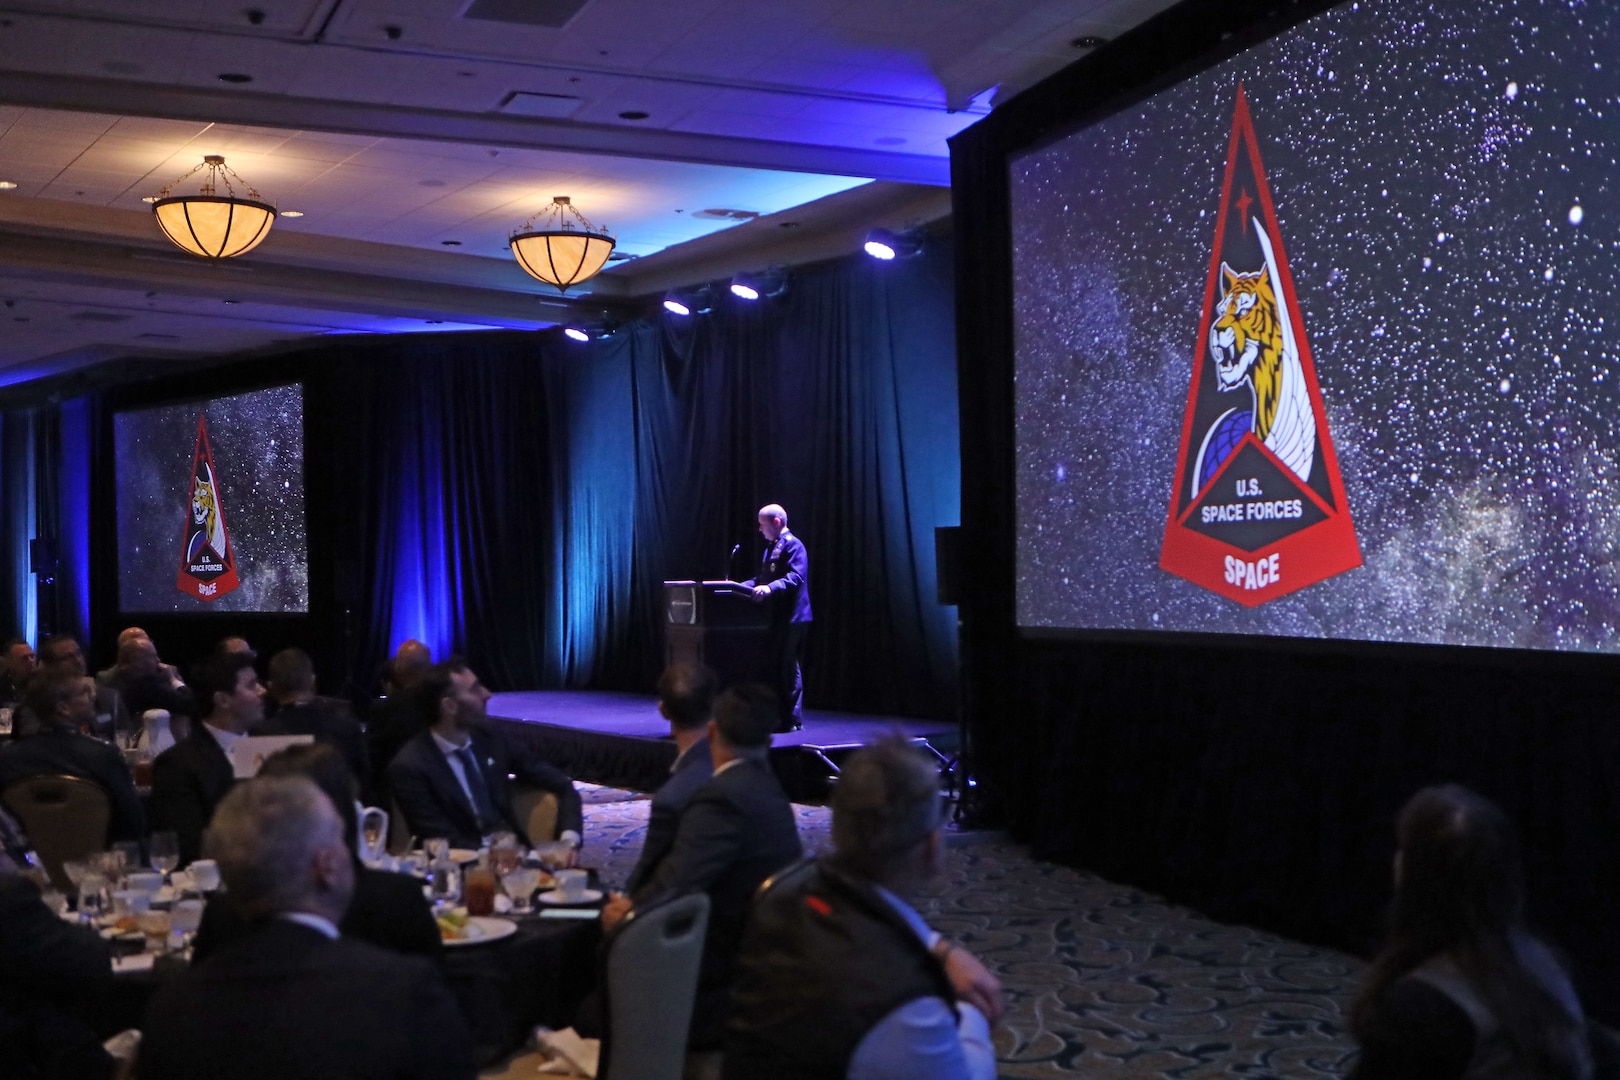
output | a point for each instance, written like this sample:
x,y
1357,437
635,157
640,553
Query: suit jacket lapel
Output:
x,y
445,777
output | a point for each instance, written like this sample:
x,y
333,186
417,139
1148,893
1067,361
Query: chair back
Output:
x,y
536,811
65,817
652,974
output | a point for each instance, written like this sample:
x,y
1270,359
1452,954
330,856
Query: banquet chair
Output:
x,y
536,811
65,817
652,972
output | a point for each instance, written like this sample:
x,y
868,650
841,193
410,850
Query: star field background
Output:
x,y
1445,178
258,445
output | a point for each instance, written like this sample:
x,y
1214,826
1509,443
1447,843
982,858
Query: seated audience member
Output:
x,y
388,910
686,699
736,831
394,718
62,653
293,709
50,972
66,707
452,779
294,998
1462,989
17,666
838,976
236,644
145,681
192,776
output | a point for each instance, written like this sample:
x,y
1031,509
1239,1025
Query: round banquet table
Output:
x,y
505,987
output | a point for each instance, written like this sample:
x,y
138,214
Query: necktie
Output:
x,y
482,805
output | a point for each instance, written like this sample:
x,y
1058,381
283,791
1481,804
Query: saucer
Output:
x,y
555,896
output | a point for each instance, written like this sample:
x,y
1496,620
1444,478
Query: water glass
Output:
x,y
520,882
92,894
503,851
185,917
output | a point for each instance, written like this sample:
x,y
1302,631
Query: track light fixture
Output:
x,y
771,284
684,302
887,244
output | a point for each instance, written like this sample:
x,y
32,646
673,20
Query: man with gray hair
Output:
x,y
292,997
837,975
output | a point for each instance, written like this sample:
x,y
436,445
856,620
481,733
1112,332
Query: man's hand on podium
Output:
x,y
761,592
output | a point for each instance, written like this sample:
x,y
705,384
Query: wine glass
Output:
x,y
164,849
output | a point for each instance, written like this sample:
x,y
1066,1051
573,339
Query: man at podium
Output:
x,y
783,581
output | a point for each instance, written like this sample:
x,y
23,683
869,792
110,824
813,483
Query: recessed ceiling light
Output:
x,y
633,114
7,185
230,301
1088,41
149,199
235,77
292,213
451,243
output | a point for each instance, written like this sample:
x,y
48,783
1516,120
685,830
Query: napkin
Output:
x,y
123,965
567,1053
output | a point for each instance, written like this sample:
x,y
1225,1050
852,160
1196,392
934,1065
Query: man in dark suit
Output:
x,y
393,719
62,652
783,581
388,909
295,710
293,997
51,974
192,776
17,666
452,780
737,830
66,706
686,699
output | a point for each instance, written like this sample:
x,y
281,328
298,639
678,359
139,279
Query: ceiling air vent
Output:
x,y
548,13
553,106
727,215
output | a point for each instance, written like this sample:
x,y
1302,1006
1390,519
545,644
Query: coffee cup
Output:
x,y
128,902
571,884
145,881
205,875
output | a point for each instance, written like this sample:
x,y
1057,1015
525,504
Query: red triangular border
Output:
x,y
212,588
1317,551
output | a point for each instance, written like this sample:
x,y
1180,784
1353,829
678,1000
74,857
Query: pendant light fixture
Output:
x,y
209,224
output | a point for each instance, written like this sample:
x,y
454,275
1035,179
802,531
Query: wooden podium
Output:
x,y
718,623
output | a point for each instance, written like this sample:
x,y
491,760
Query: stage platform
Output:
x,y
620,740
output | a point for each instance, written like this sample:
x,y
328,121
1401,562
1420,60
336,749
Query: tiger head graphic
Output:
x,y
203,513
1246,342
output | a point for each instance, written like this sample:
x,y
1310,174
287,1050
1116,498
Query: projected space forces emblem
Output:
x,y
207,563
1259,509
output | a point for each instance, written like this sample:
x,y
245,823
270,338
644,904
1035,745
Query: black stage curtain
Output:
x,y
520,499
1257,780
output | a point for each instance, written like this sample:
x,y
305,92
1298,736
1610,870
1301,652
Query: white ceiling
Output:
x,y
415,135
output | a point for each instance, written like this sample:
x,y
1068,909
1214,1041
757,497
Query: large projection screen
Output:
x,y
211,505
1322,342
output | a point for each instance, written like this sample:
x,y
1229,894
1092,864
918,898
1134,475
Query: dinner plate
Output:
x,y
482,929
555,896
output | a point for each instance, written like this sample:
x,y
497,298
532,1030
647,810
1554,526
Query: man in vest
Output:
x,y
837,975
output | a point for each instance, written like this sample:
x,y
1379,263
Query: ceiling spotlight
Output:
x,y
209,224
684,302
576,333
770,284
560,252
886,244
7,185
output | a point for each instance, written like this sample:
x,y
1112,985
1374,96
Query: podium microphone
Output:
x,y
731,560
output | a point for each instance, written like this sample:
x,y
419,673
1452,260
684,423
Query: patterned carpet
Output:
x,y
1101,980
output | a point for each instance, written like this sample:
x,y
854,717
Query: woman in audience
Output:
x,y
387,910
1462,989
